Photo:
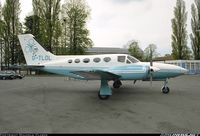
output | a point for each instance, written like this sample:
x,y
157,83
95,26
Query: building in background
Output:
x,y
105,50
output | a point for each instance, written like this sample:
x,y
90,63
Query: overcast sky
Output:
x,y
115,22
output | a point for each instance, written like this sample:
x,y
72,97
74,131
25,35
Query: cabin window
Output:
x,y
107,59
86,60
77,60
96,60
132,59
70,61
121,59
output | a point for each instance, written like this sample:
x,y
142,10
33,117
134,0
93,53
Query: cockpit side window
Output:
x,y
121,59
128,62
132,59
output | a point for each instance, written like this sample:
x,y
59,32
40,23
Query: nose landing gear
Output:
x,y
165,89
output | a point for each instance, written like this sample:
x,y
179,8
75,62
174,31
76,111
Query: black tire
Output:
x,y
117,84
3,78
103,97
165,90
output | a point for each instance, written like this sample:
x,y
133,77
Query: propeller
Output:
x,y
152,69
151,65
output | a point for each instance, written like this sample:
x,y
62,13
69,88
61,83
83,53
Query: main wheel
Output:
x,y
117,84
165,90
103,97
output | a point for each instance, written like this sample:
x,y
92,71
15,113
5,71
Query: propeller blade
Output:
x,y
151,78
151,57
151,63
150,75
151,66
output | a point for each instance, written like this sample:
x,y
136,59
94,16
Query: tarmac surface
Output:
x,y
56,105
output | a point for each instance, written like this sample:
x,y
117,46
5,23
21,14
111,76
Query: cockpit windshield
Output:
x,y
132,59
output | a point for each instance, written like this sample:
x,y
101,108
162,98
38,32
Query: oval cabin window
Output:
x,y
96,60
77,60
86,60
70,61
107,59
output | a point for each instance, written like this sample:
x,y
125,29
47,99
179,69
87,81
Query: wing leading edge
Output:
x,y
97,75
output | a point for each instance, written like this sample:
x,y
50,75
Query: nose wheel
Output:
x,y
165,89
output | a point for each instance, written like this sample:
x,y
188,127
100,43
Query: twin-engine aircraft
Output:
x,y
109,67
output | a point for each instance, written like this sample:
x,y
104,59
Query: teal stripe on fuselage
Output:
x,y
126,73
134,72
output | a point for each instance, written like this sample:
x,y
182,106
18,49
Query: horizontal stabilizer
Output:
x,y
32,66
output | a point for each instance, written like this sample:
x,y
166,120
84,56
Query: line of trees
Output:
x,y
147,54
61,29
195,22
180,50
9,28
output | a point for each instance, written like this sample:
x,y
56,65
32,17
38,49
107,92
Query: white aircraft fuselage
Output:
x,y
105,67
67,65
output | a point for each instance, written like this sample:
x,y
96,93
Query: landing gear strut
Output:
x,y
165,88
105,92
117,84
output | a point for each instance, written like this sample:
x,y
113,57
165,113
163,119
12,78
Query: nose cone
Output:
x,y
183,70
168,70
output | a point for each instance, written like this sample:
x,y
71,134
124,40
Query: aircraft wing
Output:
x,y
96,74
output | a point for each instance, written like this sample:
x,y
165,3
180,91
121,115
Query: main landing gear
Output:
x,y
105,92
117,84
165,89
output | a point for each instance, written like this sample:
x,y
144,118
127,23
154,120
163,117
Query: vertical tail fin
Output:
x,y
34,53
